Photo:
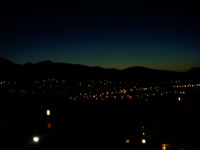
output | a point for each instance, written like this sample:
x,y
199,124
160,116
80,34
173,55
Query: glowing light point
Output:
x,y
49,125
164,146
144,141
36,139
48,112
127,141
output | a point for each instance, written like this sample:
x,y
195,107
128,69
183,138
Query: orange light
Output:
x,y
142,127
49,125
127,141
123,91
164,146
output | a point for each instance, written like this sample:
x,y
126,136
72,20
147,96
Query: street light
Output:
x,y
144,141
36,139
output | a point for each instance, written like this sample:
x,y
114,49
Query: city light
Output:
x,y
48,112
164,146
49,125
144,141
36,139
179,99
167,146
127,141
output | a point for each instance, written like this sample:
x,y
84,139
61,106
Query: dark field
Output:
x,y
98,124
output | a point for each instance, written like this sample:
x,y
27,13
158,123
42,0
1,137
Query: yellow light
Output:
x,y
48,112
179,99
144,141
127,141
145,89
123,91
164,146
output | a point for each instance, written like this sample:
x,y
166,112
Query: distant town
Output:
x,y
82,83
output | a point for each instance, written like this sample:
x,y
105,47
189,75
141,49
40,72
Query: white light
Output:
x,y
143,133
144,141
36,139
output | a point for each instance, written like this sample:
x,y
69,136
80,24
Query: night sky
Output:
x,y
115,35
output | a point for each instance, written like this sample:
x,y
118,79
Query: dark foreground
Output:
x,y
93,125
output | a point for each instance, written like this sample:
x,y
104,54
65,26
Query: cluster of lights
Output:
x,y
186,86
143,139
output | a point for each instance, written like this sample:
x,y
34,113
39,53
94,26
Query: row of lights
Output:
x,y
184,86
36,139
143,140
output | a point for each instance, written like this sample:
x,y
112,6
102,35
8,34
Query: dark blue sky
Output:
x,y
160,36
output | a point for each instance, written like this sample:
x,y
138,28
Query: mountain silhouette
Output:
x,y
48,69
